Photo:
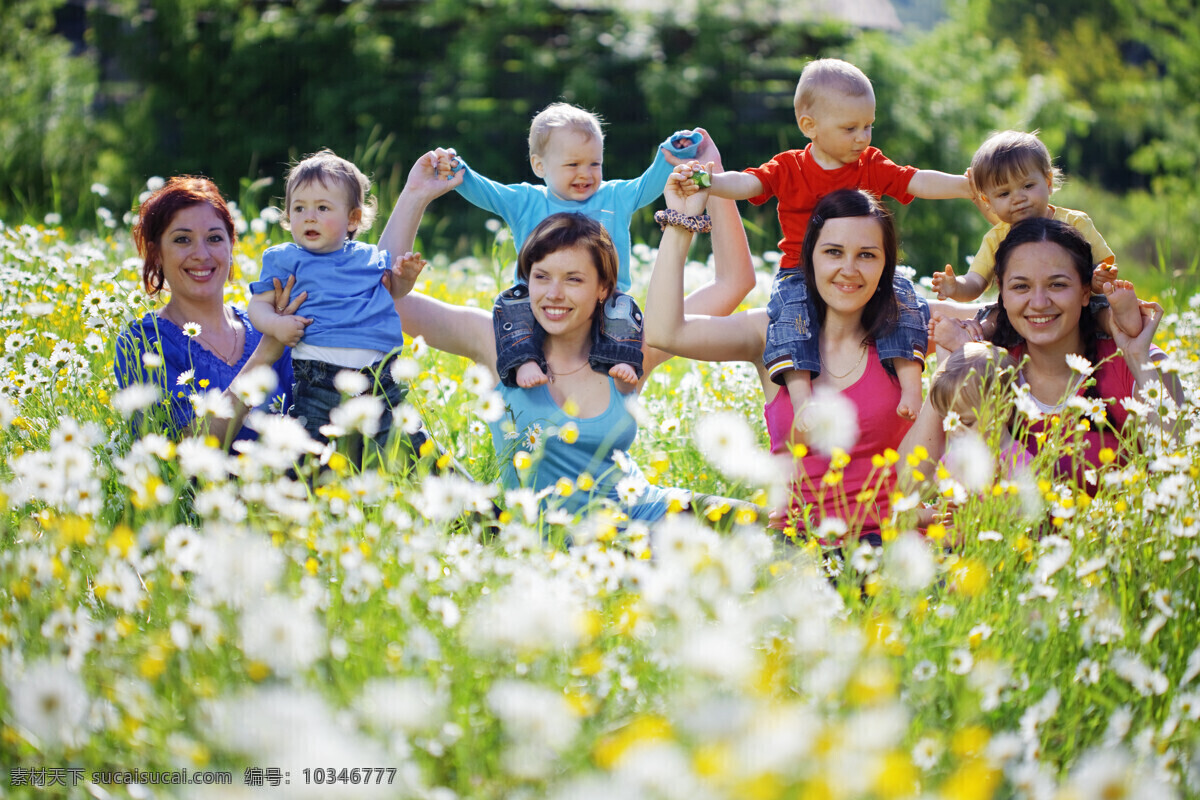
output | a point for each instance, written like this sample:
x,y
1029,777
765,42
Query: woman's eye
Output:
x,y
181,240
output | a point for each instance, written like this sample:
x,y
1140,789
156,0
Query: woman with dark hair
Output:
x,y
570,265
1044,272
849,259
196,343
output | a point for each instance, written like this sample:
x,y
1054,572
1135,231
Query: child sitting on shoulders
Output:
x,y
350,318
1014,175
566,150
835,110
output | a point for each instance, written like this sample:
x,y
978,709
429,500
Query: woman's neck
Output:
x,y
568,348
1048,374
843,328
209,316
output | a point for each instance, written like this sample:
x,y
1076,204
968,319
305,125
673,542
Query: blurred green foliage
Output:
x,y
236,89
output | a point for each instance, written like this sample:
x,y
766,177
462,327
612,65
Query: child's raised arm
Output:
x,y
930,184
734,185
958,287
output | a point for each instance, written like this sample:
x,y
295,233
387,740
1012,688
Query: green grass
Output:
x,y
158,621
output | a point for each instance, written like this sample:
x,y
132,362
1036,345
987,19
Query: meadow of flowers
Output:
x,y
169,606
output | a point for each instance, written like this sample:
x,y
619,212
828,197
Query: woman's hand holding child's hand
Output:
x,y
682,192
288,327
432,175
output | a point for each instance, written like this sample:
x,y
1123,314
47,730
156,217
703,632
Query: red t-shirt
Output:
x,y
799,183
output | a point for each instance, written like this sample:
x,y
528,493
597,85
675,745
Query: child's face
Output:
x,y
1021,197
571,165
321,218
839,127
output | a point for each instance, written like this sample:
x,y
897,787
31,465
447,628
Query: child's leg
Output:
x,y
792,354
799,386
617,339
385,447
518,339
909,374
1123,310
906,345
314,395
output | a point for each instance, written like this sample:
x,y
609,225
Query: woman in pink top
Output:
x,y
849,257
1044,271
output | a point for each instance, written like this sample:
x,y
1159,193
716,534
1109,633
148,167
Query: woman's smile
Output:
x,y
564,289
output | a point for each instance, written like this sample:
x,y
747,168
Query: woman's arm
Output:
x,y
268,351
733,267
736,338
422,188
1140,359
453,329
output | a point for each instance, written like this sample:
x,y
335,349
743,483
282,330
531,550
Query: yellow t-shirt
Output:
x,y
985,260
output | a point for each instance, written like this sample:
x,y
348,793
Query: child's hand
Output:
x,y
448,163
683,192
289,330
424,180
945,283
708,153
402,277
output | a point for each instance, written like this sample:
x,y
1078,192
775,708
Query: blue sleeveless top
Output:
x,y
533,422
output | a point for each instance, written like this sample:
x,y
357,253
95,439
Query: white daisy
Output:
x,y
351,382
1079,364
281,633
191,329
960,661
50,702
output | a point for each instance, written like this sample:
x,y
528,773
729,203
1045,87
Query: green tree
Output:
x,y
48,133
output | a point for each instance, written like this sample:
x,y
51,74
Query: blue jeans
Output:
x,y
792,338
616,334
314,395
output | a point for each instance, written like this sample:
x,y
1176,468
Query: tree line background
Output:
x,y
112,92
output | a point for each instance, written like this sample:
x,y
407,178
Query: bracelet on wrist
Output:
x,y
698,224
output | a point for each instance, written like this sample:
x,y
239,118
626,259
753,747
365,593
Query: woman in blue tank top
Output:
x,y
570,266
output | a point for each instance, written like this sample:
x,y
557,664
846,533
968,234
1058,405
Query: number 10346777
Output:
x,y
356,775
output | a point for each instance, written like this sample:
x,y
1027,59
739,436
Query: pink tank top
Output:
x,y
874,396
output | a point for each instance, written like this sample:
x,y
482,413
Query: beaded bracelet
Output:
x,y
698,224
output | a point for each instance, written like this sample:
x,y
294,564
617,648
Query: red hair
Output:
x,y
155,215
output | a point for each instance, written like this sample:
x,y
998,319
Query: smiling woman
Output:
x,y
849,258
565,438
1044,270
195,343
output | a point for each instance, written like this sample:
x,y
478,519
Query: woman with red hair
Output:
x,y
196,343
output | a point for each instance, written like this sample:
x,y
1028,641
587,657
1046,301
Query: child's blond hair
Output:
x,y
826,76
1012,154
333,172
970,376
562,116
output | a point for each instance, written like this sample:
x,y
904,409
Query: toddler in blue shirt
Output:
x,y
350,320
566,150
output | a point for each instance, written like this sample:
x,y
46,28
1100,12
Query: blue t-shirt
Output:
x,y
181,353
530,415
524,205
347,301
